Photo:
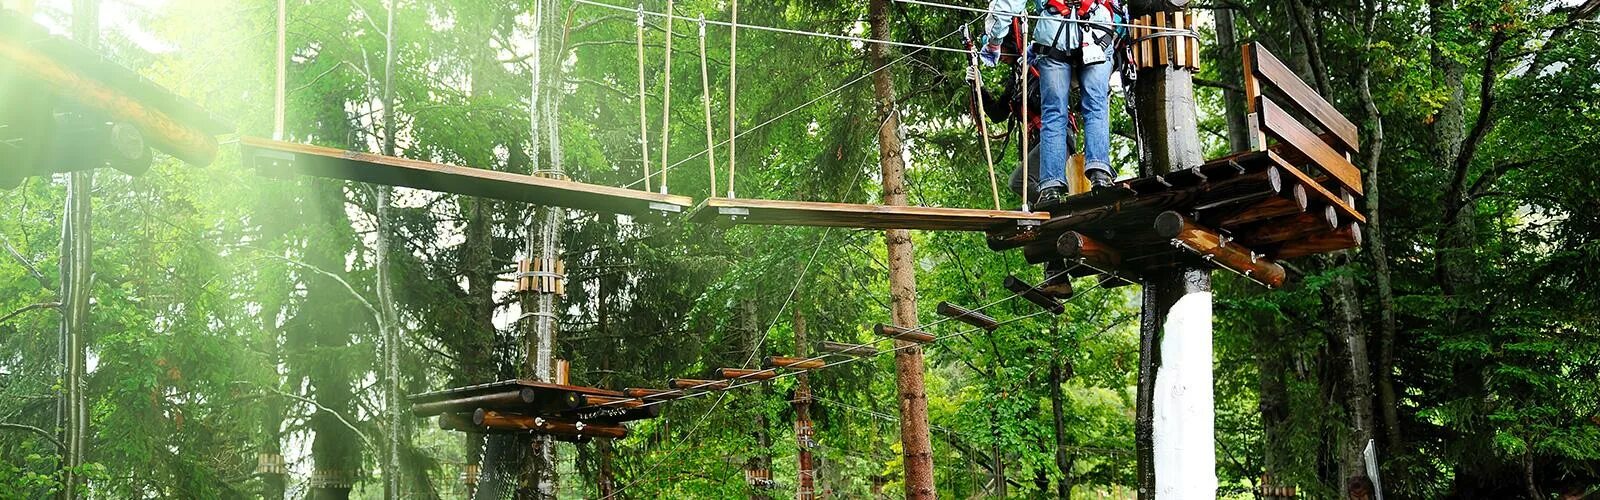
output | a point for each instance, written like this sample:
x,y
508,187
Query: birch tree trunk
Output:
x,y
77,253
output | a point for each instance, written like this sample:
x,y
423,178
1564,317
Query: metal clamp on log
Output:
x,y
542,275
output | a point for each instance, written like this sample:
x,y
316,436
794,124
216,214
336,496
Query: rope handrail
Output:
x,y
1107,24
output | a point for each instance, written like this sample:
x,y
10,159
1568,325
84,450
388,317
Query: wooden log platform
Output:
x,y
539,399
820,214
1257,201
279,159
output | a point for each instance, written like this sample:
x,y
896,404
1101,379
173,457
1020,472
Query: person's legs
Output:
x,y
1055,81
1095,104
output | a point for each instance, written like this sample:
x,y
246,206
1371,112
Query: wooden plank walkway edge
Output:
x,y
824,214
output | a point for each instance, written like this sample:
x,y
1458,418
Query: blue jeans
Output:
x,y
1055,83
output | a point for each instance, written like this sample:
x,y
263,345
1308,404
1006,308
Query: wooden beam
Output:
x,y
1290,228
619,402
1292,202
1075,246
652,394
792,363
745,374
1209,245
1317,193
1026,291
967,316
820,214
857,350
1279,124
511,398
1348,236
278,158
497,420
1267,67
901,333
698,385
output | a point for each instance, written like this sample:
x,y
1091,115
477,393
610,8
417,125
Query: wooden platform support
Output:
x,y
523,397
857,350
1026,291
509,421
792,363
1078,247
745,374
618,402
906,334
1218,250
692,384
820,214
1346,237
278,158
968,316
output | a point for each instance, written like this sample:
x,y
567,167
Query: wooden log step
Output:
x,y
1026,291
1294,200
497,420
653,394
967,316
698,385
1290,228
745,374
1348,236
792,363
522,397
622,402
902,333
1209,245
857,350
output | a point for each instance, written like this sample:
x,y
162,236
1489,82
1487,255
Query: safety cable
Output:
x,y
825,95
1106,24
733,93
1026,124
705,99
644,142
666,100
736,26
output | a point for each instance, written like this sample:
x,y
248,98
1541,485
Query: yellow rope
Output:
x,y
705,99
983,129
644,143
666,101
733,93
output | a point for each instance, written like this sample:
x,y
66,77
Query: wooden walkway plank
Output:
x,y
278,159
821,214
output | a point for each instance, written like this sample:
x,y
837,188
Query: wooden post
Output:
x,y
543,241
916,447
1173,428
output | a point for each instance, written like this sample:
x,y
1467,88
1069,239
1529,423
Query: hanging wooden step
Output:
x,y
745,374
1028,292
857,350
792,363
692,384
280,159
902,333
811,213
653,394
967,316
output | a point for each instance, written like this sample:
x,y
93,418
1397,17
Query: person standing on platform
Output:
x,y
1071,42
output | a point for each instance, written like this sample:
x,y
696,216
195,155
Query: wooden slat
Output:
x,y
1161,41
808,213
1267,67
1284,127
1316,191
277,158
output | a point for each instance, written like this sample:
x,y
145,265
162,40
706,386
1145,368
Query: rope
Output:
x,y
735,26
644,144
282,78
733,92
791,111
983,125
1026,68
1054,18
705,98
666,100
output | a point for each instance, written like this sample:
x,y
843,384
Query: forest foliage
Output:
x,y
231,311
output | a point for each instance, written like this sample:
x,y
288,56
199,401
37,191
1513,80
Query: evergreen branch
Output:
x,y
46,434
313,403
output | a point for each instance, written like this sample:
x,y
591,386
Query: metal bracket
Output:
x,y
665,207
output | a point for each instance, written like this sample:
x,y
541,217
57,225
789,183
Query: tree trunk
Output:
x,y
805,478
77,254
388,320
1377,253
914,441
1173,428
1057,416
540,329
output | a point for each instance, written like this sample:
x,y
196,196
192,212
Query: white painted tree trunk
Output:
x,y
1185,443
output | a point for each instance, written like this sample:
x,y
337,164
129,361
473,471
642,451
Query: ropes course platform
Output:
x,y
566,412
1241,213
282,159
820,214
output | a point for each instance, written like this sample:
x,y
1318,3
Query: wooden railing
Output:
x,y
1335,181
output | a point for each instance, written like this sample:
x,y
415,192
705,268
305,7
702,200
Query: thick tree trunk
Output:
x,y
1173,428
805,478
914,441
538,474
1377,253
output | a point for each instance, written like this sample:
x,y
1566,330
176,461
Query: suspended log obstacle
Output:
x,y
968,316
567,412
902,333
1291,198
843,349
65,108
